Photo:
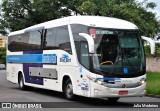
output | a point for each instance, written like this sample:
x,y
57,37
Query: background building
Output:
x,y
3,41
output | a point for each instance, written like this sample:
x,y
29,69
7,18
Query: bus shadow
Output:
x,y
102,103
80,102
46,92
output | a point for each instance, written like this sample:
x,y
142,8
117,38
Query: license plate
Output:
x,y
123,92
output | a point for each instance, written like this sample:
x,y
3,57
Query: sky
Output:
x,y
156,10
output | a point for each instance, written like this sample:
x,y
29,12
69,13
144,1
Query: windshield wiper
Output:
x,y
100,72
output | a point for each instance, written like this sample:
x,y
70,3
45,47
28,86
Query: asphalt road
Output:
x,y
10,92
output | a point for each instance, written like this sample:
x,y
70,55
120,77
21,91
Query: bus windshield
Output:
x,y
117,51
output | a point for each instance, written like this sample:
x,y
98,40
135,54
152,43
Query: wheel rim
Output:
x,y
69,89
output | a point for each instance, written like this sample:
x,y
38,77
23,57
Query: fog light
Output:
x,y
95,91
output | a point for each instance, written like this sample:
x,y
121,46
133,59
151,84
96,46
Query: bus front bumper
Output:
x,y
100,91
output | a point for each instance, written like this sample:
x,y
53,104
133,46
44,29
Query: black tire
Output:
x,y
68,90
21,82
113,99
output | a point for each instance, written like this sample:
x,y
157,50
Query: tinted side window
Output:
x,y
35,39
23,43
18,42
27,41
50,42
11,43
62,39
55,38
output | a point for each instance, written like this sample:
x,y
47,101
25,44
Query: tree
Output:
x,y
72,5
3,55
157,51
159,27
20,14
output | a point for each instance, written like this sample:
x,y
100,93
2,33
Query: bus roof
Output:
x,y
94,21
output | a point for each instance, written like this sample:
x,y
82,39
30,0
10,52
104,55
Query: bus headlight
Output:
x,y
100,82
142,81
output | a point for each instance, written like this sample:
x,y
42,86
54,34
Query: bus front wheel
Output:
x,y
21,82
68,90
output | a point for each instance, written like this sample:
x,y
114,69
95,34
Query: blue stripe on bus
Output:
x,y
32,58
108,79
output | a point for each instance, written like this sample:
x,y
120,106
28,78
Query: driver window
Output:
x,y
84,57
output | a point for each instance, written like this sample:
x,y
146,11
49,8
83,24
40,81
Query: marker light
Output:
x,y
91,78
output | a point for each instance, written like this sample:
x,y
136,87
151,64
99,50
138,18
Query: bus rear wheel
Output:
x,y
68,90
21,82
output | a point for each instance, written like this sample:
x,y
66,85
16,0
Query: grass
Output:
x,y
153,83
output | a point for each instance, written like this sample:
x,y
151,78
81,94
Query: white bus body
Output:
x,y
56,55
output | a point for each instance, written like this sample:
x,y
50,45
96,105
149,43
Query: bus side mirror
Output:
x,y
89,40
151,42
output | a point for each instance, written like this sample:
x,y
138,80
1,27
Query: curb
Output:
x,y
152,95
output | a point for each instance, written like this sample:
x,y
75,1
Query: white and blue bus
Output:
x,y
91,56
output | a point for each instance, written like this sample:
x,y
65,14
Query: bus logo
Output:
x,y
65,58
